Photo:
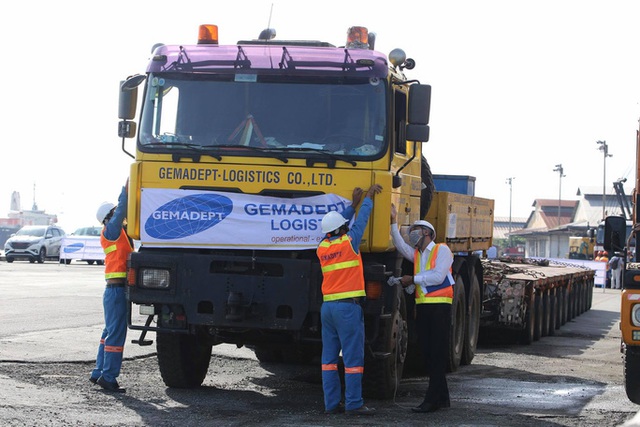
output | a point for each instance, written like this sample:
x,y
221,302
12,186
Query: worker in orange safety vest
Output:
x,y
341,314
117,246
432,286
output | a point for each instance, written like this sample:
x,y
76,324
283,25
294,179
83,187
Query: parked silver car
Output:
x,y
35,243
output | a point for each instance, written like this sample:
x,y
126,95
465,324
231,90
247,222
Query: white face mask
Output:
x,y
415,237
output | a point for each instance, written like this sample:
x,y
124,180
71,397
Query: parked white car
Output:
x,y
83,245
35,243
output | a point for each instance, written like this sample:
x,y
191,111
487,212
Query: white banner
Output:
x,y
213,219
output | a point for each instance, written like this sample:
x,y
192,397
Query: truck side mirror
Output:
x,y
129,96
417,128
615,233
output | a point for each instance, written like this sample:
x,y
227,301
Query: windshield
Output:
x,y
341,116
87,231
36,232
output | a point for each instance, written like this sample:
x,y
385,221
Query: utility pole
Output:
x,y
510,182
605,151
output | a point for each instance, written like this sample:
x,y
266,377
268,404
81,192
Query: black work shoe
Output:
x,y
93,380
430,407
363,410
337,410
110,386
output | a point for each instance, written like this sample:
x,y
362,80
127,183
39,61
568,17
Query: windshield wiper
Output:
x,y
267,151
330,163
176,157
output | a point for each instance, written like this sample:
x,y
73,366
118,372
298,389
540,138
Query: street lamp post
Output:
x,y
560,171
605,151
510,182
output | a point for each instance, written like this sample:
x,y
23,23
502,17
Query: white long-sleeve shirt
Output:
x,y
431,277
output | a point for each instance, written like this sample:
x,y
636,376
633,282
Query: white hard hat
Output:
x,y
104,210
332,221
423,223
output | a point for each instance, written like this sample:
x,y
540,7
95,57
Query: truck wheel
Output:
x,y
42,255
458,324
632,373
553,311
473,320
546,313
426,196
565,305
526,336
538,307
558,307
382,375
266,354
183,359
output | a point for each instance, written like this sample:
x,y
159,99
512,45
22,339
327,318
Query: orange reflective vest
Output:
x,y
116,254
442,293
342,271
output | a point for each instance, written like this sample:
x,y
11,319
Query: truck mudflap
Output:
x,y
226,292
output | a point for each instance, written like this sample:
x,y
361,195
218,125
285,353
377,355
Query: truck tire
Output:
x,y
267,354
426,196
546,313
632,373
183,359
560,309
526,335
382,375
553,311
565,305
538,307
458,324
472,330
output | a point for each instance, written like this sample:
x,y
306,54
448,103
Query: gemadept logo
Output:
x,y
187,216
74,247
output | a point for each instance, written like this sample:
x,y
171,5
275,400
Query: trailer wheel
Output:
x,y
473,320
266,354
458,324
382,375
546,313
526,336
538,307
426,195
565,305
553,311
183,359
571,296
632,373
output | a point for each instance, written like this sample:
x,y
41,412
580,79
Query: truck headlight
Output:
x,y
635,315
155,278
147,310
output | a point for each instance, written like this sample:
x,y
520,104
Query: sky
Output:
x,y
518,87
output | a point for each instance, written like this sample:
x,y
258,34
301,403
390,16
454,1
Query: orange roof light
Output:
x,y
358,38
208,34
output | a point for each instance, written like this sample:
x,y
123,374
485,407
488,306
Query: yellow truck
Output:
x,y
616,242
240,150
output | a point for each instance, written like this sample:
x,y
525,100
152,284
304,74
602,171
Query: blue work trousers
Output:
x,y
342,329
114,334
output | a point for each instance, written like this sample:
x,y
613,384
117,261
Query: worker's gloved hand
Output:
x,y
410,289
393,281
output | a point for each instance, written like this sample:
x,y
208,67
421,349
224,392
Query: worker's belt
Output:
x,y
115,283
351,300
